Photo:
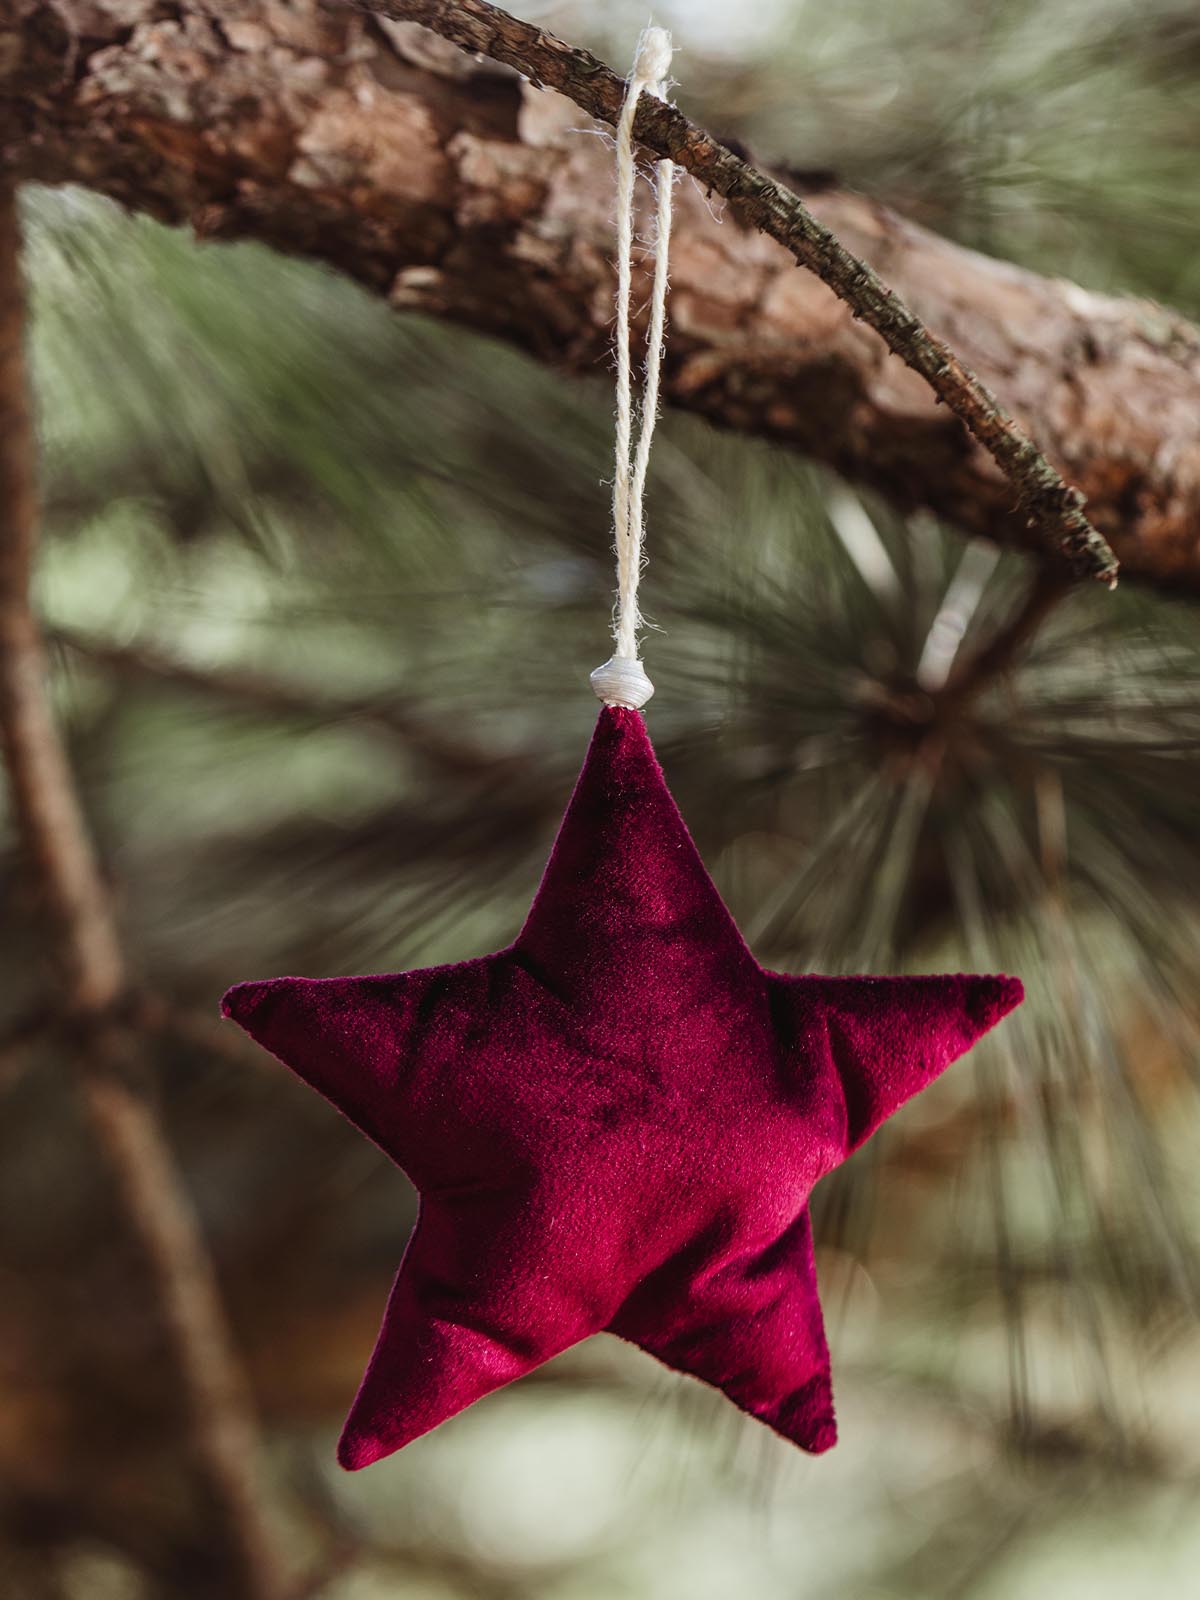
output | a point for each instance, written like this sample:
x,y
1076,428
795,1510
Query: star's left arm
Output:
x,y
373,1046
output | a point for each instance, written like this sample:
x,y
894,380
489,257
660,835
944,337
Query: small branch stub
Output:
x,y
622,681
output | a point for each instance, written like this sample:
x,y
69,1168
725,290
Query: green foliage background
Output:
x,y
325,586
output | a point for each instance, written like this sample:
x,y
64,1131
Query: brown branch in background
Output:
x,y
56,841
19,1041
1052,506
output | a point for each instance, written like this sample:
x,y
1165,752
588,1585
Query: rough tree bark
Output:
x,y
456,190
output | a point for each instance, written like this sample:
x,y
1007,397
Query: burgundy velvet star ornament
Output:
x,y
614,1124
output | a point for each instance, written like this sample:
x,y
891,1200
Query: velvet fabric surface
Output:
x,y
614,1124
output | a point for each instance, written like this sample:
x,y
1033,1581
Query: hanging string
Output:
x,y
622,680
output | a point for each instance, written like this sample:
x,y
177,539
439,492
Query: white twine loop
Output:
x,y
622,681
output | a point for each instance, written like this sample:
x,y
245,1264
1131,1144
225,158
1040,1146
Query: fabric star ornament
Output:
x,y
614,1124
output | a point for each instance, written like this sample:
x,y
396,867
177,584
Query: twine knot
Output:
x,y
622,681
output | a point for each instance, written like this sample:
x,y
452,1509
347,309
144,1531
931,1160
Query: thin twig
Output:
x,y
165,1017
55,838
1053,507
153,1015
278,698
19,1041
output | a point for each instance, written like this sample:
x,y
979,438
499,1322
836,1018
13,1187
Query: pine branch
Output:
x,y
1051,505
55,837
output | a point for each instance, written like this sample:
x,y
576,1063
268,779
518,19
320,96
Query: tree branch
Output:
x,y
1052,507
458,191
55,837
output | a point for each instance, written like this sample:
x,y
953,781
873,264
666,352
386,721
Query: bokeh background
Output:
x,y
323,585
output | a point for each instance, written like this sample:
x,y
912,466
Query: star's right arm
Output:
x,y
885,1039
